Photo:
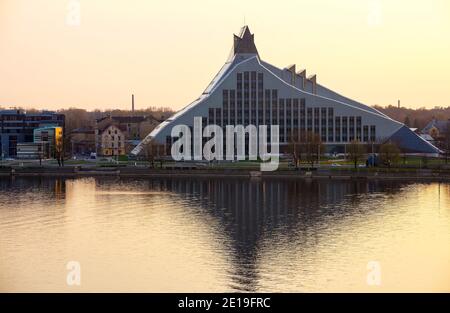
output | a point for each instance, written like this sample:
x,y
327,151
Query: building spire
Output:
x,y
244,42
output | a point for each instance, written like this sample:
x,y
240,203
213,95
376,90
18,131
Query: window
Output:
x,y
232,120
366,133
372,133
344,129
274,107
316,120
330,124
260,81
253,88
218,119
351,128
267,106
323,123
211,115
246,94
337,132
295,111
288,114
225,106
260,98
358,128
281,113
309,119
239,92
302,114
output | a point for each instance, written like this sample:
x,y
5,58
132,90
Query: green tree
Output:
x,y
389,153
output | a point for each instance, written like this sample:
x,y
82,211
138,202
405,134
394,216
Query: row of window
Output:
x,y
25,118
119,145
112,137
240,107
313,120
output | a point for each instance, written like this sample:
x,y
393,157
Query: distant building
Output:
x,y
428,138
134,128
437,129
47,143
82,141
17,126
51,134
33,150
110,139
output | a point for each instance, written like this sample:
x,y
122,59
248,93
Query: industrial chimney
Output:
x,y
132,104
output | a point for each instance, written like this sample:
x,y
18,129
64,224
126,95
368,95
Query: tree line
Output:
x,y
415,118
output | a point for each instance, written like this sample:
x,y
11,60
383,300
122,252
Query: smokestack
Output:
x,y
398,104
132,103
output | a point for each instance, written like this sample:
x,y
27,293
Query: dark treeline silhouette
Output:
x,y
417,118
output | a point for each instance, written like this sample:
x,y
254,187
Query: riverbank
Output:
x,y
321,173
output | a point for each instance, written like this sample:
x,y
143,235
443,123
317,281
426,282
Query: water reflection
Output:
x,y
250,210
53,188
248,235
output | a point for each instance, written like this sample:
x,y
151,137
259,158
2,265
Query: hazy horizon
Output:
x,y
373,51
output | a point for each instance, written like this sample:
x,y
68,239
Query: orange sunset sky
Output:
x,y
166,52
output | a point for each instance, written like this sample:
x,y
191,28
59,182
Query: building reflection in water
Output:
x,y
52,188
249,210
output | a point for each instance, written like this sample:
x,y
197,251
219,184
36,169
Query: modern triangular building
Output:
x,y
248,90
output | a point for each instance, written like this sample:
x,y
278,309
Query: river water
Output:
x,y
214,235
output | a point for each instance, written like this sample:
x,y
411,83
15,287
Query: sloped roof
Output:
x,y
128,118
409,141
83,130
105,126
440,125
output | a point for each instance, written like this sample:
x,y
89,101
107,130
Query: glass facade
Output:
x,y
250,103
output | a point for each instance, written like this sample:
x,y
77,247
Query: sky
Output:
x,y
95,53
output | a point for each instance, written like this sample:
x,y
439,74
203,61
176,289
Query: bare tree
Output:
x,y
446,143
294,147
356,151
58,151
311,147
154,152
